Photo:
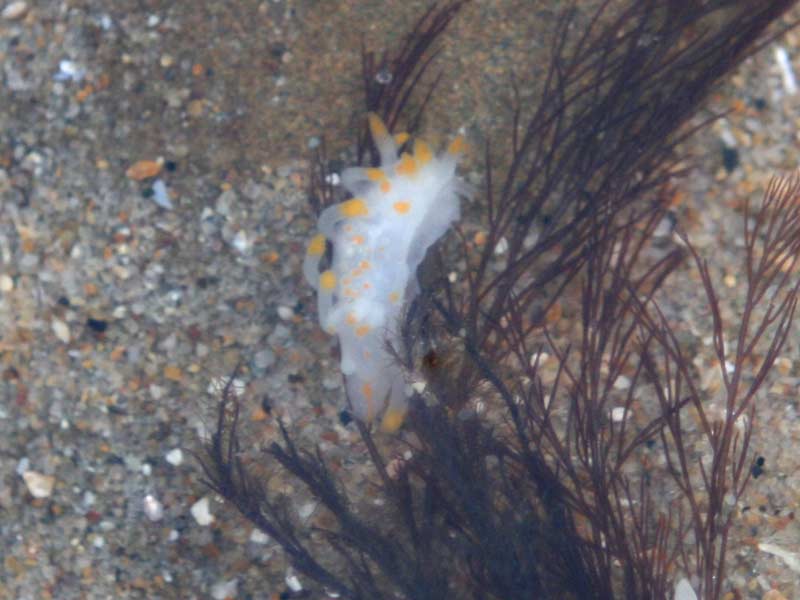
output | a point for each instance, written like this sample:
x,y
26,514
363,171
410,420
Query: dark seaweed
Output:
x,y
523,484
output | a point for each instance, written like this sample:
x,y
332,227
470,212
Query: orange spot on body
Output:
x,y
386,186
401,138
317,245
327,280
357,239
374,174
457,146
422,153
402,207
362,330
406,165
376,127
394,297
366,391
355,207
392,420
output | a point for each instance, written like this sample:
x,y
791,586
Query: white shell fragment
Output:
x,y
153,509
293,583
61,330
201,512
39,486
174,457
787,73
792,559
684,591
14,11
161,195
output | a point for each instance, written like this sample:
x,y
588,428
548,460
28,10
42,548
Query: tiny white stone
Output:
x,y
224,589
501,247
419,386
6,283
173,535
23,465
684,591
618,414
285,313
68,69
174,457
622,383
39,485
791,559
293,583
153,508
15,10
306,510
161,195
258,537
61,330
147,470
787,73
201,512
240,242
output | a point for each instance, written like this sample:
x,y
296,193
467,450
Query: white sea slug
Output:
x,y
379,237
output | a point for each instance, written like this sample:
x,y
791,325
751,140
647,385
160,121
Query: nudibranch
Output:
x,y
379,237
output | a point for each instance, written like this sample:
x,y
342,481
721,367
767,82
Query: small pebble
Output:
x,y
6,283
161,195
143,169
622,383
40,486
258,537
285,313
14,11
61,330
306,510
240,242
293,583
224,589
174,457
264,358
153,508
201,512
618,414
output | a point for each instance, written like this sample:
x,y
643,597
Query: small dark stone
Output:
x,y
757,471
730,158
296,378
97,325
171,166
266,404
760,103
147,193
204,282
63,301
345,418
760,461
